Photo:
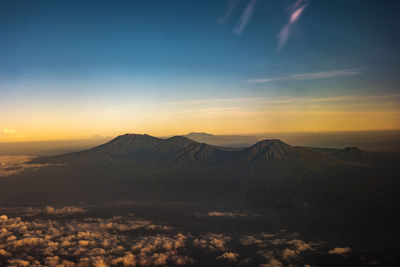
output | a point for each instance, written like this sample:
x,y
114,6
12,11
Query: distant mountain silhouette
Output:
x,y
352,154
198,135
349,151
136,147
269,150
269,172
223,140
143,147
199,152
179,149
313,189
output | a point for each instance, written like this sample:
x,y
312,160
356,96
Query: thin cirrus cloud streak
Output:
x,y
311,76
245,17
228,11
295,12
269,100
207,101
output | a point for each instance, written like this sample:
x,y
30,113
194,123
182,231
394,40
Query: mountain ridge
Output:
x,y
177,168
182,152
147,148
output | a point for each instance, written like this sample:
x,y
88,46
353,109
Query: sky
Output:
x,y
74,69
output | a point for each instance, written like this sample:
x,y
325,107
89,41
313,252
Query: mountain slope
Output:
x,y
351,154
135,147
178,149
270,172
233,141
269,150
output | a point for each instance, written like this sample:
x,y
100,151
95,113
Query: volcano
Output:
x,y
270,172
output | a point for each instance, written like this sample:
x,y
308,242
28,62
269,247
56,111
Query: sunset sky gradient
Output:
x,y
73,69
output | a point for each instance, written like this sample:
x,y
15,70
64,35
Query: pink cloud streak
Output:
x,y
296,10
246,16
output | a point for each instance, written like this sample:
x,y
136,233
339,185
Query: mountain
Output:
x,y
142,148
270,173
137,148
233,141
198,135
195,152
269,150
351,153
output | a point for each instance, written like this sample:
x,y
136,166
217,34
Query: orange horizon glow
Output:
x,y
217,122
111,117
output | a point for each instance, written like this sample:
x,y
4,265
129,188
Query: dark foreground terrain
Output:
x,y
142,201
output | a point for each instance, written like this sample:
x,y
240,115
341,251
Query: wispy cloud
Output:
x,y
354,98
268,100
295,12
207,101
108,112
312,75
245,18
228,11
212,111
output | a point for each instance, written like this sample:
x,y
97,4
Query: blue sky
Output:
x,y
72,51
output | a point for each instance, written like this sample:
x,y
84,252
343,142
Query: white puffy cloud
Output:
x,y
230,256
272,263
278,249
340,251
89,242
18,263
226,214
63,211
290,254
251,240
55,240
48,210
212,241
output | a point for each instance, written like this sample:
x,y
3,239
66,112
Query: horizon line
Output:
x,y
201,132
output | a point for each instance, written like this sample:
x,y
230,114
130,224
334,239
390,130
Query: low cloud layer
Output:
x,y
63,211
227,214
91,242
340,251
11,165
279,249
130,241
48,211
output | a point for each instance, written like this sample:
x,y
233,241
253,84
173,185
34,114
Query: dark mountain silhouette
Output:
x,y
195,152
353,154
269,173
130,144
349,151
198,135
223,140
178,150
135,147
268,150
